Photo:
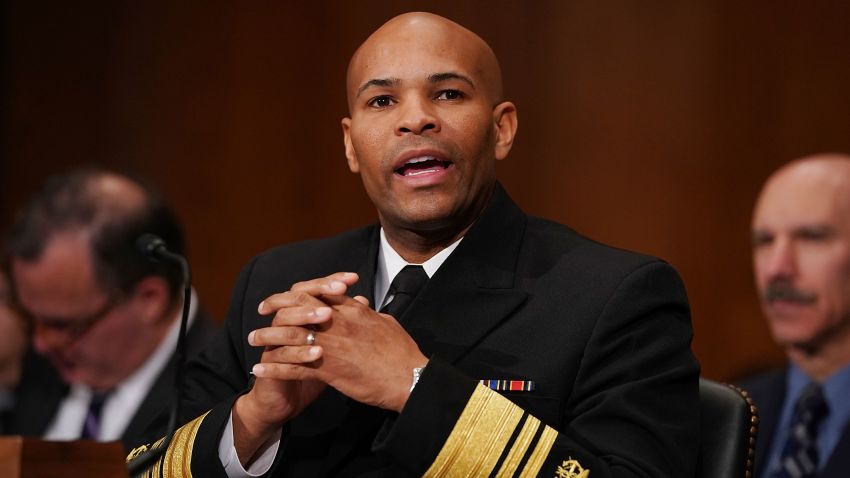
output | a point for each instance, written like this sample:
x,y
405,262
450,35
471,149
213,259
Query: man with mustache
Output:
x,y
801,256
506,345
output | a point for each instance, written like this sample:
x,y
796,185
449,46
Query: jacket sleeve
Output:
x,y
633,411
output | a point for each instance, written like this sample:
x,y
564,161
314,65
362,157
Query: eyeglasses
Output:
x,y
70,329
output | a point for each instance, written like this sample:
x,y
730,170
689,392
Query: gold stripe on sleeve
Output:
x,y
178,458
541,451
156,470
520,447
480,435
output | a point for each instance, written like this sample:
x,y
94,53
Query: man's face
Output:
x,y
424,128
87,334
12,340
801,256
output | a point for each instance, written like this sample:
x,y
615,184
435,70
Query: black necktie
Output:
x,y
91,427
404,289
799,457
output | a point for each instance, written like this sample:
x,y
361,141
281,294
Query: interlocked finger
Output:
x,y
334,283
282,336
288,299
285,371
290,316
293,354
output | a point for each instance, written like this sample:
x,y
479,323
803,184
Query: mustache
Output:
x,y
787,292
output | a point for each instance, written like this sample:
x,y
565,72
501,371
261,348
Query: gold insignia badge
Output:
x,y
136,452
571,469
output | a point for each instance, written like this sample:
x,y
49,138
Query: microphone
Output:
x,y
150,244
154,248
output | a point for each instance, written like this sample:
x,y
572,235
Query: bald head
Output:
x,y
115,194
426,125
431,36
808,188
826,173
83,201
801,255
107,209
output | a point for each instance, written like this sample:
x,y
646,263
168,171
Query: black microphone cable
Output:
x,y
155,249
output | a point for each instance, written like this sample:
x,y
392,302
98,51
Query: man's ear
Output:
x,y
505,123
353,164
152,300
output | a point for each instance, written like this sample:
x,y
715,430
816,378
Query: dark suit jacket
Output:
x,y
41,392
768,392
603,333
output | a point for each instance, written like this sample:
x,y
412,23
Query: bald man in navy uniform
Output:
x,y
529,350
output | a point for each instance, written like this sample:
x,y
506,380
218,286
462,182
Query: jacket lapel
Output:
x,y
365,268
474,290
839,461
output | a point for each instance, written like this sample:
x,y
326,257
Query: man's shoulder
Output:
x,y
552,241
764,383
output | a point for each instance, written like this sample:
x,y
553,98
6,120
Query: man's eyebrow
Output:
x,y
384,82
433,78
449,75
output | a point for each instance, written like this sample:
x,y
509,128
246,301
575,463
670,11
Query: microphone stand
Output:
x,y
144,461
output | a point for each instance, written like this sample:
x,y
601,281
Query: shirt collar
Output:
x,y
836,388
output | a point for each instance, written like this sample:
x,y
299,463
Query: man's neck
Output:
x,y
416,248
826,359
417,245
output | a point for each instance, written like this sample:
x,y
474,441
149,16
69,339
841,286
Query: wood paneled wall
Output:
x,y
649,126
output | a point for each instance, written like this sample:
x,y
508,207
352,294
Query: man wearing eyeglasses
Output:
x,y
104,316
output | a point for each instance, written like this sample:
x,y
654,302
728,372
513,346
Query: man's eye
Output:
x,y
450,95
814,234
380,102
57,326
761,239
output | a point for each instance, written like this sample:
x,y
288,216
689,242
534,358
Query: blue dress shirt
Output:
x,y
836,390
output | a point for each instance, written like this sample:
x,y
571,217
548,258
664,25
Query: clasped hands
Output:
x,y
366,355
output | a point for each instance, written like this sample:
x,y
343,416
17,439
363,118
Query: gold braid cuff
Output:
x,y
177,460
483,434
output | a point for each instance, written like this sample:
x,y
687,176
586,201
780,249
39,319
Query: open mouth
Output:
x,y
422,165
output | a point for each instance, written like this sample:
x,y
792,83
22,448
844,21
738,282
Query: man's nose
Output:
x,y
418,116
781,261
45,340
